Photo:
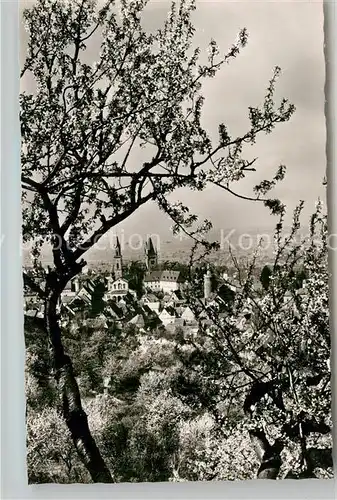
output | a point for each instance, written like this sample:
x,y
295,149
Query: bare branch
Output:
x,y
104,228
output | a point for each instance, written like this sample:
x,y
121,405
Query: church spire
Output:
x,y
118,252
118,261
151,257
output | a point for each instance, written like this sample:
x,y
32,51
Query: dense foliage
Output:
x,y
269,355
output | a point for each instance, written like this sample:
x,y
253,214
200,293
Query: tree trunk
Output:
x,y
73,413
270,455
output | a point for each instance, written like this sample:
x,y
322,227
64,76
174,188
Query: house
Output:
x,y
114,312
174,299
84,294
152,281
177,297
167,299
164,281
154,306
149,298
138,321
117,289
188,315
72,287
34,313
151,301
151,317
288,297
76,295
31,301
168,316
124,305
78,288
67,295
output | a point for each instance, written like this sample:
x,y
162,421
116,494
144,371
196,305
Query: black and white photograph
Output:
x,y
175,241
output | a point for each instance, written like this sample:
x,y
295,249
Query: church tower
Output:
x,y
118,261
207,284
151,257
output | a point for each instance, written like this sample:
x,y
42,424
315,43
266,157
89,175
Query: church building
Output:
x,y
118,287
155,280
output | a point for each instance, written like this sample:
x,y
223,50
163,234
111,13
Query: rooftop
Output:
x,y
171,276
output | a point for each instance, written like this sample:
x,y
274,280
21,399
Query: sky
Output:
x,y
282,33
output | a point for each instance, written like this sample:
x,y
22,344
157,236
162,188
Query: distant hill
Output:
x,y
177,248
